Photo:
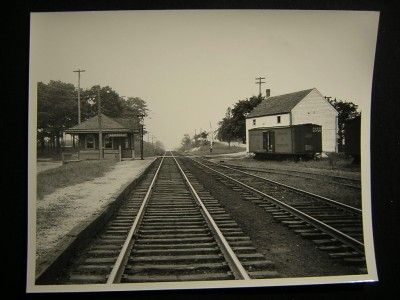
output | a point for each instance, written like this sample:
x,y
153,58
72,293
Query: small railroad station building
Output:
x,y
117,138
302,107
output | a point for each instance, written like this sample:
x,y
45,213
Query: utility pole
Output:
x,y
212,138
259,84
212,135
141,116
100,125
141,142
152,144
79,93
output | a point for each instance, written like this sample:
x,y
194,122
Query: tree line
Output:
x,y
57,108
198,140
233,126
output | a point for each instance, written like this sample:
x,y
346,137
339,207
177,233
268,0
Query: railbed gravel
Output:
x,y
293,256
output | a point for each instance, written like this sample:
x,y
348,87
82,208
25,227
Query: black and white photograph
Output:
x,y
195,149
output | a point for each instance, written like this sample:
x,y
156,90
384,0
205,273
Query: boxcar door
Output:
x,y
269,141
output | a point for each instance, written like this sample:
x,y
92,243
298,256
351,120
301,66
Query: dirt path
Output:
x,y
59,212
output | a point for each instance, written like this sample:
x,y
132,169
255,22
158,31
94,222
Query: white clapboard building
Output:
x,y
308,106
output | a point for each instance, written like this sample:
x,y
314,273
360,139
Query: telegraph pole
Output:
x,y
259,82
212,135
79,93
100,125
212,138
152,144
141,116
141,142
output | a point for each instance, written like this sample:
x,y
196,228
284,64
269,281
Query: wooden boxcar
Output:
x,y
296,140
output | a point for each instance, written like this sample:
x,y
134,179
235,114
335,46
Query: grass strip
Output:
x,y
218,148
69,174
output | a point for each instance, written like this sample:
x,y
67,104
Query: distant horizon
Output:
x,y
190,66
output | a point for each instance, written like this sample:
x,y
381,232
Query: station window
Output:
x,y
90,142
126,143
108,144
254,122
278,119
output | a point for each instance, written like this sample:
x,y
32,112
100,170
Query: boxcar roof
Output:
x,y
108,124
278,104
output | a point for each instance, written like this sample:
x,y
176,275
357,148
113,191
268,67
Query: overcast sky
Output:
x,y
190,66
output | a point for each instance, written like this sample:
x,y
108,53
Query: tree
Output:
x,y
200,139
239,112
203,135
57,110
159,148
150,149
346,111
226,128
134,106
111,103
186,142
234,127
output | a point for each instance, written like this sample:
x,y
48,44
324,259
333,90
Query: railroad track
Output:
x,y
338,180
334,227
170,229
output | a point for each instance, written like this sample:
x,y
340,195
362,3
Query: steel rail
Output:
x,y
318,197
344,238
288,170
233,261
119,266
306,175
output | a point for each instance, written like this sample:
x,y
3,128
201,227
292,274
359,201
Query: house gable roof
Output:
x,y
278,104
108,124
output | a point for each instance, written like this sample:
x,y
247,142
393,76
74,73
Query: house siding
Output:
x,y
314,108
265,121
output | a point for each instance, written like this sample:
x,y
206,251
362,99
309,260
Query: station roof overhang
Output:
x,y
105,130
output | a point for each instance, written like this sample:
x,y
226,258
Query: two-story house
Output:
x,y
307,106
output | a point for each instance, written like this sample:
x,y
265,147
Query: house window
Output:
x,y
254,122
278,119
90,142
108,142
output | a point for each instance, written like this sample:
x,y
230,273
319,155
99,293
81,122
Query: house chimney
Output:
x,y
267,93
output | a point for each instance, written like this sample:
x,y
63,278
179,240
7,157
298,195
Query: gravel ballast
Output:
x,y
293,256
331,190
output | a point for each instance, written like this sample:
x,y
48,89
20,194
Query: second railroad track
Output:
x,y
333,226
